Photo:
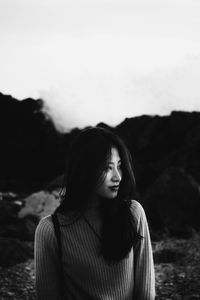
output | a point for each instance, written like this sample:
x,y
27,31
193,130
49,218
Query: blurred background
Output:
x,y
131,66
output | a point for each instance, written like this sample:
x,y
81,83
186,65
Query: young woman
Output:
x,y
105,241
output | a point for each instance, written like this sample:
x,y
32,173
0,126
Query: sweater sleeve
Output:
x,y
47,264
144,274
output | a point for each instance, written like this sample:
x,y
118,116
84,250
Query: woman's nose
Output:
x,y
116,175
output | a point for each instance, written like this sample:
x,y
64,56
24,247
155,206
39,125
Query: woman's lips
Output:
x,y
114,188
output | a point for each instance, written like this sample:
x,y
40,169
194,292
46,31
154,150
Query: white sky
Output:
x,y
101,60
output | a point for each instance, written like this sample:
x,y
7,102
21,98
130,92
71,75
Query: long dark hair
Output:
x,y
85,166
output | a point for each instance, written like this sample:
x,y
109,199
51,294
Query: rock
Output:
x,y
167,255
19,218
172,203
9,221
14,251
40,204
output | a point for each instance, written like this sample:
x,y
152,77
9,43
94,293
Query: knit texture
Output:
x,y
87,276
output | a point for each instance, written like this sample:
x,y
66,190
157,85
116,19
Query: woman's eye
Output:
x,y
108,168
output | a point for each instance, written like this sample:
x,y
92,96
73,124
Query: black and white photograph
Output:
x,y
100,150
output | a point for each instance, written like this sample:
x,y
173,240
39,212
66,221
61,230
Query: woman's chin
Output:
x,y
111,196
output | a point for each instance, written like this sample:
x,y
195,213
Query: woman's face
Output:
x,y
113,175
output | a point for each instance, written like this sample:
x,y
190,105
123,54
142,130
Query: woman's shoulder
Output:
x,y
136,205
45,225
47,220
137,209
68,218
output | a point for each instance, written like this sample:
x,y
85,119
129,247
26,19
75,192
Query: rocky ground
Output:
x,y
177,264
180,280
178,268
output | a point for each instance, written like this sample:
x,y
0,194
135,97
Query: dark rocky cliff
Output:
x,y
33,151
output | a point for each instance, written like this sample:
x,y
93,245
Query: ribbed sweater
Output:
x,y
87,276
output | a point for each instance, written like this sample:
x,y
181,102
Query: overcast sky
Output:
x,y
101,60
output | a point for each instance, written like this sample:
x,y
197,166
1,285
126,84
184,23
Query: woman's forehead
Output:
x,y
115,156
